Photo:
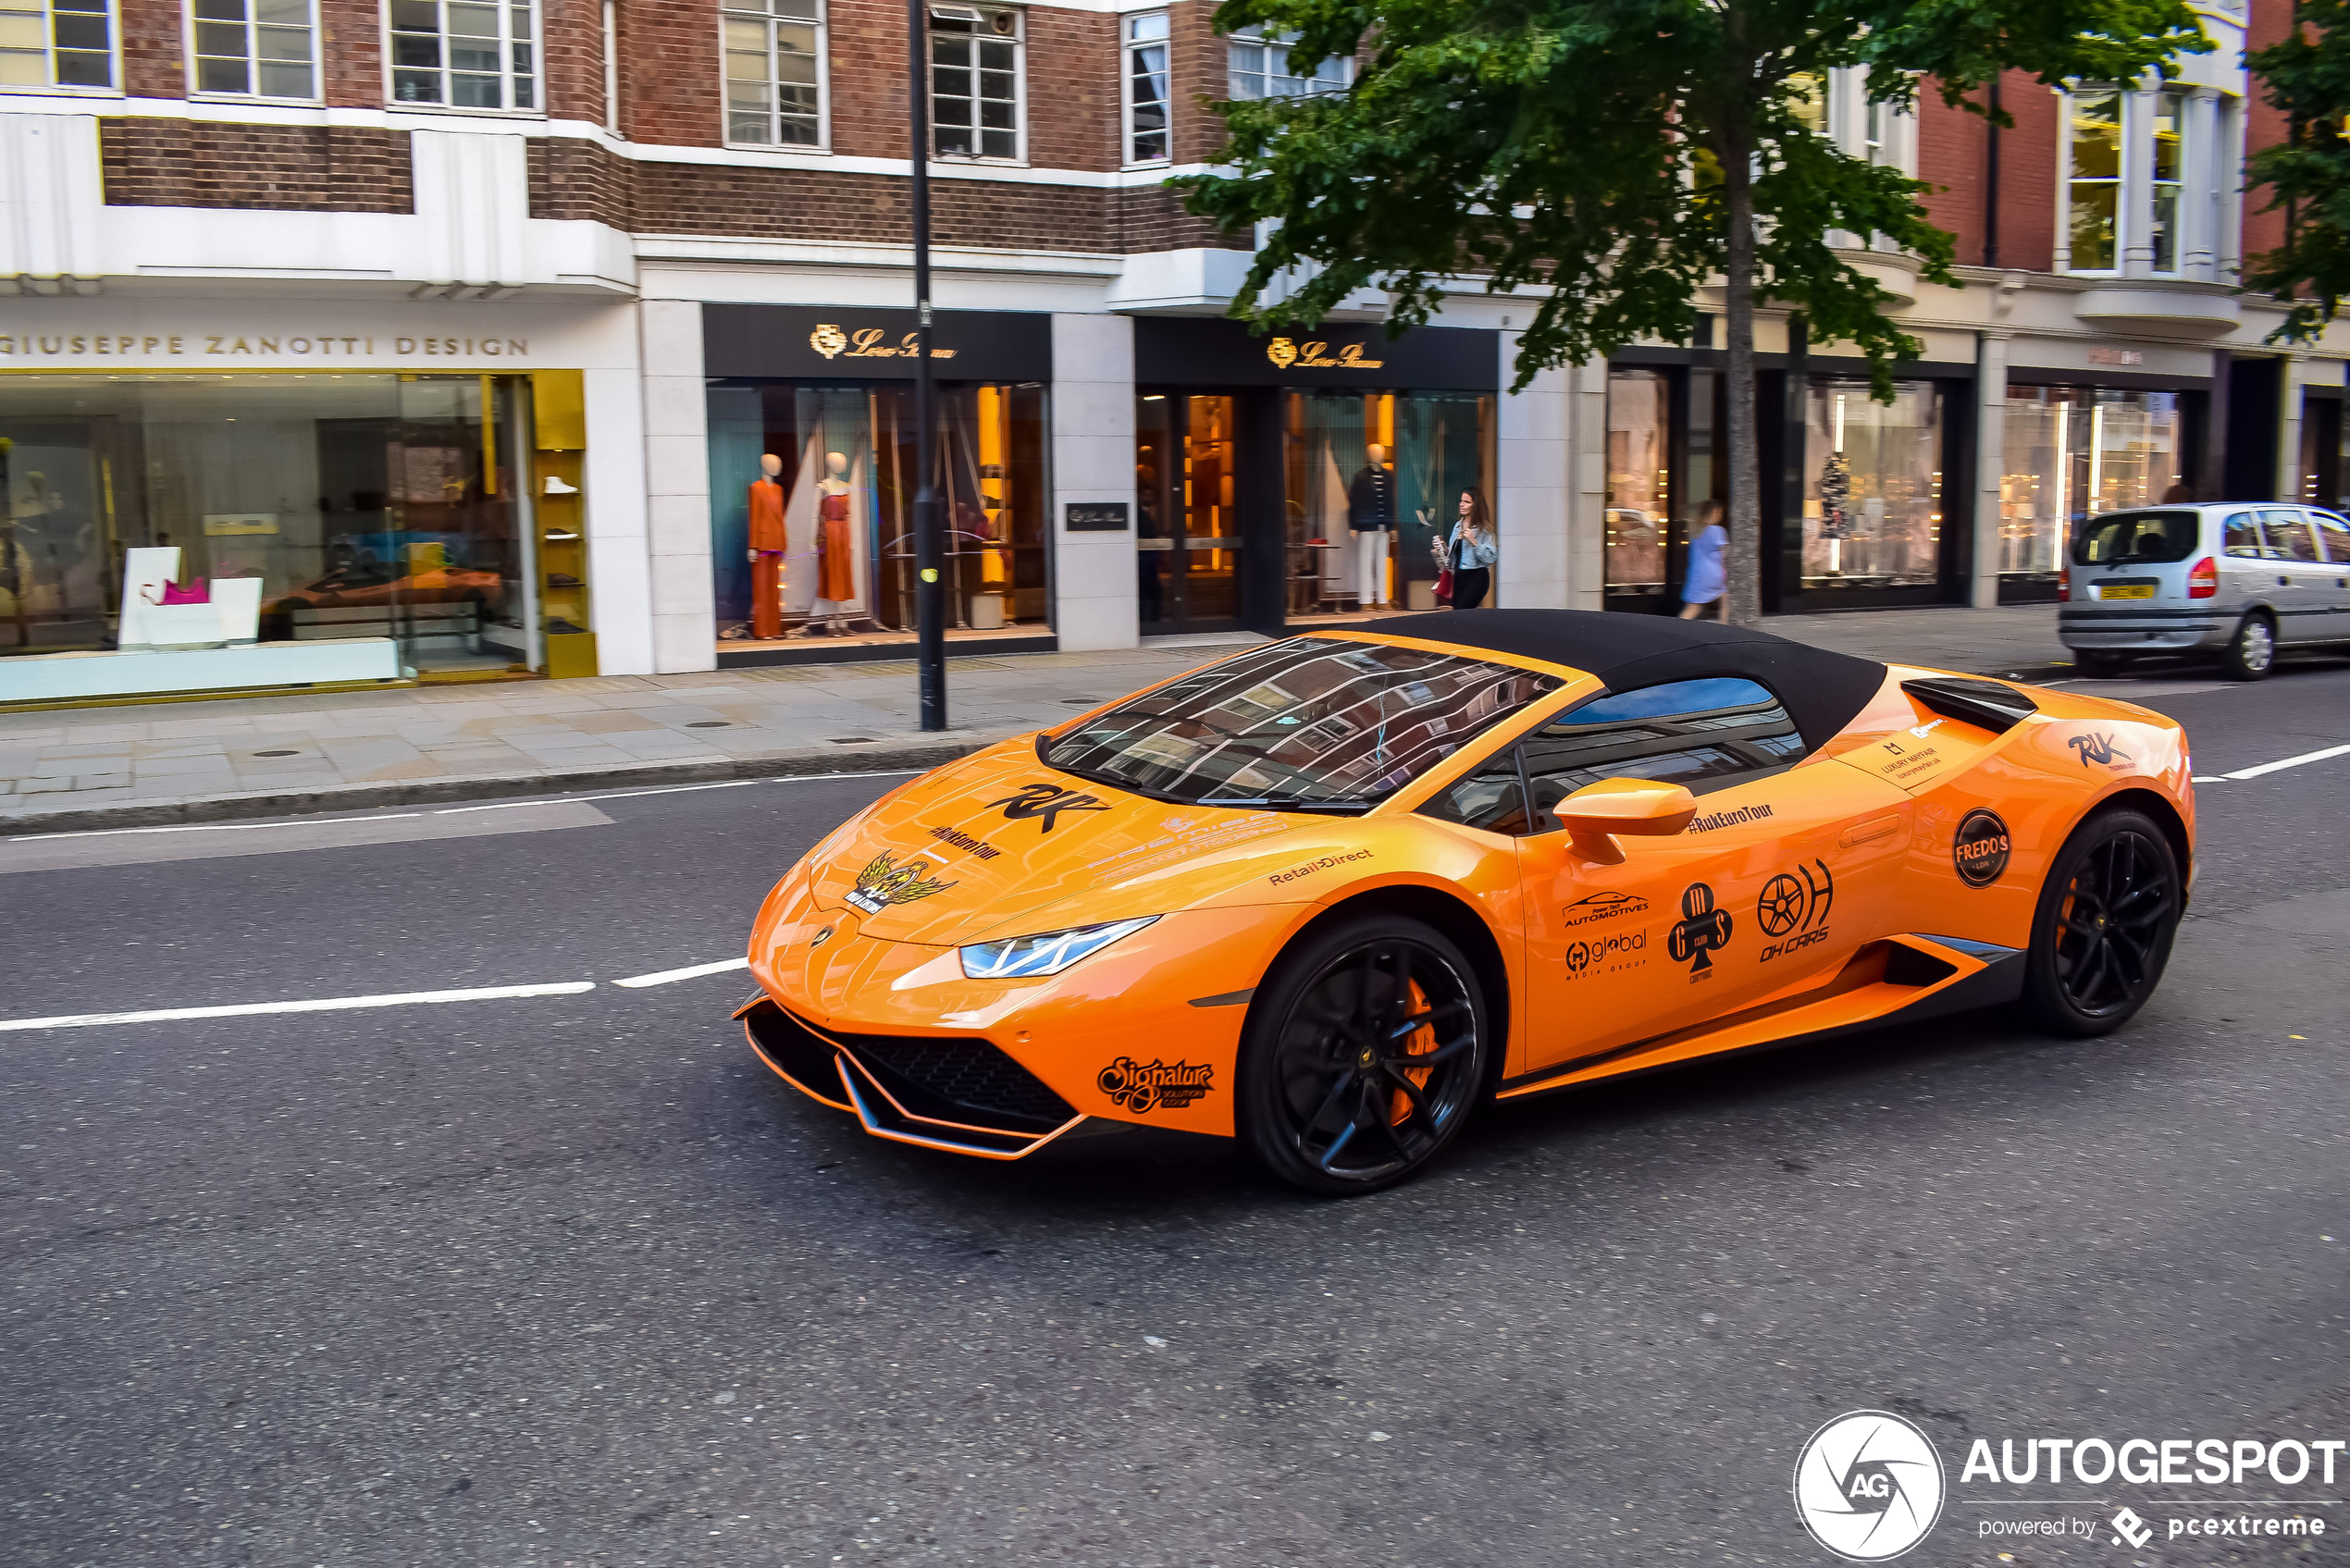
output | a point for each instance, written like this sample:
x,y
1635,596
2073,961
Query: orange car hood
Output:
x,y
978,847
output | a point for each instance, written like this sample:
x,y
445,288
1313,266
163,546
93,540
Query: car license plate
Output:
x,y
2141,591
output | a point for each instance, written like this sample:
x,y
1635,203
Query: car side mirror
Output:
x,y
1593,815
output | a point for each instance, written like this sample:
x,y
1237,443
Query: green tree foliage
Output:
x,y
1620,154
2307,74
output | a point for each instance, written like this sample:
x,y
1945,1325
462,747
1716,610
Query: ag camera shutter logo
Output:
x,y
1869,1486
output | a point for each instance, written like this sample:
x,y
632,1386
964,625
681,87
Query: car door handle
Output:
x,y
1874,828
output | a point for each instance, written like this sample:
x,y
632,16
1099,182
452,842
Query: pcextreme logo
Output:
x,y
1869,1486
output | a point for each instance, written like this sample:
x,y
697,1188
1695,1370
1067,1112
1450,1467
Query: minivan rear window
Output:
x,y
2124,537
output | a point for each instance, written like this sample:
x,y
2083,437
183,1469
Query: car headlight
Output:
x,y
1026,957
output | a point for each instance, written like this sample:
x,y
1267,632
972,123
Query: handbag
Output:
x,y
1444,577
197,592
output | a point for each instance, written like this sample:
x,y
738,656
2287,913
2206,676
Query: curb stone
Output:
x,y
880,757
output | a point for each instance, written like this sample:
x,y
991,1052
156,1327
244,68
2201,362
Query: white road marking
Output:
x,y
663,977
2302,760
326,1005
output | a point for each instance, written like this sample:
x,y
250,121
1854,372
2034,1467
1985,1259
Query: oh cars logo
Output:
x,y
1869,1486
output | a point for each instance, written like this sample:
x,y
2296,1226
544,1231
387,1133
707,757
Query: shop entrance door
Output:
x,y
1189,547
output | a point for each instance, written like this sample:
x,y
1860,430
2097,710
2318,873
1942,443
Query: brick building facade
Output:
x,y
559,199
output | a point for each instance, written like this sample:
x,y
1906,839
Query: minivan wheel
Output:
x,y
2252,652
2100,661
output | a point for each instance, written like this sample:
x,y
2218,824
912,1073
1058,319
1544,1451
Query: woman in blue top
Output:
x,y
1702,584
1470,552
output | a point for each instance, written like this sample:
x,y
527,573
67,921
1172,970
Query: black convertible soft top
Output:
x,y
1822,690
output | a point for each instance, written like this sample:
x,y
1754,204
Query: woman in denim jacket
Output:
x,y
1470,552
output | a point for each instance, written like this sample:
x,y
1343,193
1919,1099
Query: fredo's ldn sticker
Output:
x,y
1604,907
1145,1087
1048,801
1981,850
1869,1486
1703,931
884,882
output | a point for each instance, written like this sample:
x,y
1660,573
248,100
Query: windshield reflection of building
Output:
x,y
1281,722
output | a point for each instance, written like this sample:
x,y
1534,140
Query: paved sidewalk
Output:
x,y
68,770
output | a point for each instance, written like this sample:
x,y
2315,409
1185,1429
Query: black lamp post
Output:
x,y
929,589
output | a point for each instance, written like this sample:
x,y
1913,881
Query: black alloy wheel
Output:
x,y
1365,1055
2252,652
2102,935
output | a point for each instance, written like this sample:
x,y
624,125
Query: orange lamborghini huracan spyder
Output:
x,y
1330,894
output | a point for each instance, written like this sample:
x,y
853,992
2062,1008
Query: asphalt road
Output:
x,y
572,1279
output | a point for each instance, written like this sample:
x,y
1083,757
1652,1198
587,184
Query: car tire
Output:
x,y
2102,931
2101,661
1329,1097
2252,652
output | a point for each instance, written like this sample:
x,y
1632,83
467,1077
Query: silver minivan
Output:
x,y
2245,580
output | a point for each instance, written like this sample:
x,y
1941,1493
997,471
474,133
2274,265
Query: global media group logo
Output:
x,y
1869,1486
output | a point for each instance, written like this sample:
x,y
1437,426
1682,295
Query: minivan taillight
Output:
x,y
2064,589
2203,579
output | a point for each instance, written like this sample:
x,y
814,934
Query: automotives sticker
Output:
x,y
1604,907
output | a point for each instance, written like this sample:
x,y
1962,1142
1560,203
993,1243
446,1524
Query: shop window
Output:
x,y
975,86
1639,415
775,72
61,44
825,547
1872,492
1403,458
1147,98
1259,67
2073,452
253,48
367,505
465,56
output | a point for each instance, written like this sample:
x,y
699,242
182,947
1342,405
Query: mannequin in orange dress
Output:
x,y
836,575
768,543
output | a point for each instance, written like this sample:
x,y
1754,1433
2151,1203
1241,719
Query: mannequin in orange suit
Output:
x,y
768,543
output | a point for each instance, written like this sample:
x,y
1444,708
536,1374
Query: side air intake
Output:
x,y
1995,706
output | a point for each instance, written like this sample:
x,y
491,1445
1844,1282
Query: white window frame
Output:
x,y
739,10
1130,46
2204,224
1256,36
506,73
49,53
982,16
317,63
2125,230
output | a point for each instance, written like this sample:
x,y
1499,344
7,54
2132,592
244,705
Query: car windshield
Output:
x,y
2127,536
1313,724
